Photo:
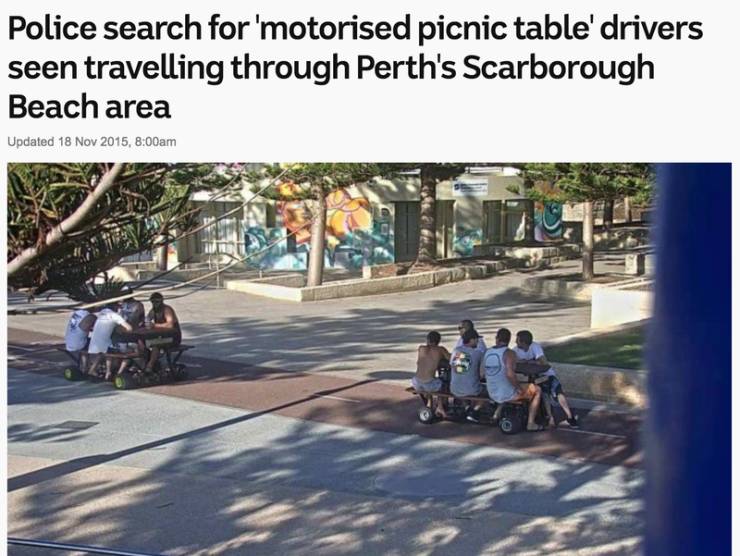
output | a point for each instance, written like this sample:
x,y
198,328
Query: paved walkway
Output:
x,y
370,404
365,337
293,436
138,471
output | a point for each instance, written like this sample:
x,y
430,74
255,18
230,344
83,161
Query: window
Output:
x,y
224,235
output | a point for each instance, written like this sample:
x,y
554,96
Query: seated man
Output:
x,y
133,311
76,335
503,386
101,341
528,350
466,365
162,318
427,361
465,325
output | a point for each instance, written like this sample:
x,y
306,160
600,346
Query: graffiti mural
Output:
x,y
256,239
548,221
466,239
348,223
354,238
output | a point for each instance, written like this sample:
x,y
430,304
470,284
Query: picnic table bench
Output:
x,y
166,369
512,414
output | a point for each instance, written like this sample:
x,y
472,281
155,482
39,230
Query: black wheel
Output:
x,y
426,416
181,372
508,425
73,373
124,382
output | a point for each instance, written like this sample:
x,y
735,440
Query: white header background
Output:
x,y
685,113
688,113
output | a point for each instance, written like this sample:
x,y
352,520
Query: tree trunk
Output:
x,y
107,182
588,240
529,222
318,238
162,253
608,214
162,258
427,255
628,210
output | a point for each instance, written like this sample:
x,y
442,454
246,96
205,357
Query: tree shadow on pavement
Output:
x,y
261,484
372,339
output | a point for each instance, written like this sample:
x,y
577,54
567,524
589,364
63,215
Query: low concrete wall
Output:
x,y
617,305
560,288
290,288
618,386
528,255
339,289
287,280
266,290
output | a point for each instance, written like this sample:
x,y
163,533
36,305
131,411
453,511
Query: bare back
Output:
x,y
428,360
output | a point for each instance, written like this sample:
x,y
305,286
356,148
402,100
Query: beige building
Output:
x,y
372,223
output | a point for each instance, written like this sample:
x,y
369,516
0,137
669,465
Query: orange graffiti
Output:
x,y
344,215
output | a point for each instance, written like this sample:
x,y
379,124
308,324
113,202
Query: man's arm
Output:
x,y
123,323
540,355
509,363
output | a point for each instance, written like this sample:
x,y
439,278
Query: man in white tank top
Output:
x,y
528,350
503,386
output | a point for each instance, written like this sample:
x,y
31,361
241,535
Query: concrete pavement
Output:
x,y
92,465
294,438
355,337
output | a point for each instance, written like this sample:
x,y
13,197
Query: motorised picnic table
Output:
x,y
166,369
531,369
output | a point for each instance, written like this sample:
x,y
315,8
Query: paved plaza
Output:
x,y
294,436
164,474
358,337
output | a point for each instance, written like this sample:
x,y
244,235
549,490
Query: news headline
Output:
x,y
322,70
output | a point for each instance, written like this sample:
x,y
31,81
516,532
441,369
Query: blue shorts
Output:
x,y
434,385
552,388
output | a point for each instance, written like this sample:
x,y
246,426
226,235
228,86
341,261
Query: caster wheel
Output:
x,y
426,416
72,373
508,426
124,382
181,373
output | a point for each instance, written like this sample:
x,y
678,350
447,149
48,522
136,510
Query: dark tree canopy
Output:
x,y
590,181
142,206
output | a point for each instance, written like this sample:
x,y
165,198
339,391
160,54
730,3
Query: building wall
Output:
x,y
360,222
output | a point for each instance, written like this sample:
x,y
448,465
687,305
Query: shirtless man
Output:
x,y
162,318
428,359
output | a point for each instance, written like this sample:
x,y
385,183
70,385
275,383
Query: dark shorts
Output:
x,y
552,388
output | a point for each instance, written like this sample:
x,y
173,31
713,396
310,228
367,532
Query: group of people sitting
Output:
x,y
476,368
92,334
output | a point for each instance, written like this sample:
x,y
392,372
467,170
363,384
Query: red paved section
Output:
x,y
610,438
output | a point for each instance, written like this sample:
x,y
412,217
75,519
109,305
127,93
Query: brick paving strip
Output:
x,y
609,438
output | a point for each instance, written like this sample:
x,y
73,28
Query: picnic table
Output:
x,y
167,368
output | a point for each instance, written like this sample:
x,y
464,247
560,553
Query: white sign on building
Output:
x,y
470,188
